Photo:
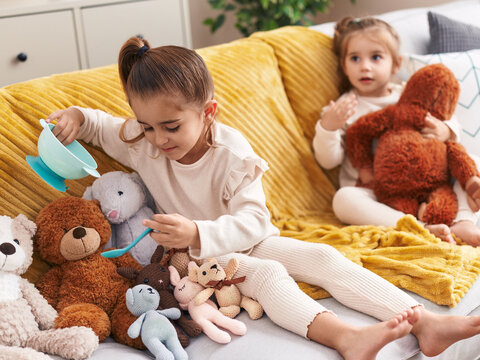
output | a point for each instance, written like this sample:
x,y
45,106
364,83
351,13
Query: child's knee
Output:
x,y
341,203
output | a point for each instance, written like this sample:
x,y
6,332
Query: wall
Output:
x,y
200,9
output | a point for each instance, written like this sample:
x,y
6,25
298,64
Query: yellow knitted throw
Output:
x,y
271,87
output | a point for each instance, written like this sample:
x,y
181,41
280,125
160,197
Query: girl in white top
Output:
x,y
206,181
368,50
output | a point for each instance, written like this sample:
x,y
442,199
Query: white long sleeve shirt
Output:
x,y
329,146
222,192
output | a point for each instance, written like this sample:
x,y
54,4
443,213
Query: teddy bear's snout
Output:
x,y
79,232
7,249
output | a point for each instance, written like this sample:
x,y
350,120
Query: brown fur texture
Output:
x,y
408,168
82,285
26,329
221,282
158,277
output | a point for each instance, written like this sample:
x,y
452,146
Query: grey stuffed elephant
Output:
x,y
157,332
125,202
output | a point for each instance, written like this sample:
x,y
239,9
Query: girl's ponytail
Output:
x,y
131,52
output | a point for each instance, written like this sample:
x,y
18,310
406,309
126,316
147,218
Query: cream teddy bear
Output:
x,y
221,282
26,329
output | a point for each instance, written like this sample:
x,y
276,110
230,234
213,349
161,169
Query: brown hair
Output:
x,y
349,26
172,70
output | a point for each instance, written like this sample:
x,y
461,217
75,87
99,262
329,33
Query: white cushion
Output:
x,y
466,67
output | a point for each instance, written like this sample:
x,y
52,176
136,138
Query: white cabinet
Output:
x,y
29,48
44,37
107,27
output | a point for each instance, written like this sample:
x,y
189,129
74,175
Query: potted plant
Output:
x,y
260,15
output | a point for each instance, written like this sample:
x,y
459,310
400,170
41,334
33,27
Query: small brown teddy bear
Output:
x,y
412,173
179,259
221,282
26,329
158,277
83,286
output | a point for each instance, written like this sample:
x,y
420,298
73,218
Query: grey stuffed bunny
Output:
x,y
157,332
125,202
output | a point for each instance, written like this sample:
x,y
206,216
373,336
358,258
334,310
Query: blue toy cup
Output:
x,y
56,162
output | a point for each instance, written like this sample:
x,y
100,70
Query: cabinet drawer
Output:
x,y
107,27
47,40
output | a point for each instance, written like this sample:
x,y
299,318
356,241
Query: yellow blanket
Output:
x,y
271,87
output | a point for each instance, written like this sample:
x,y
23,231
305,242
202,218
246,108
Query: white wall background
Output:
x,y
200,10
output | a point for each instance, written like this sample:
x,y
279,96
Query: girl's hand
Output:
x,y
436,129
68,124
472,187
366,176
173,231
337,113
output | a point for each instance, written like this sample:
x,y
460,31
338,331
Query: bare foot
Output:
x,y
437,332
467,231
363,343
441,231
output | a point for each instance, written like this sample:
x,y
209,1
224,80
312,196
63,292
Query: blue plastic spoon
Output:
x,y
119,252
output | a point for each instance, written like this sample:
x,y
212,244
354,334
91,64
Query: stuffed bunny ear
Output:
x,y
174,275
88,194
157,255
28,225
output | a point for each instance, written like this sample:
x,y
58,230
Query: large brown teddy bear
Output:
x,y
408,168
82,285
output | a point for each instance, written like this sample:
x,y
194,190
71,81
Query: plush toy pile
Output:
x,y
205,314
158,277
83,286
408,168
26,329
221,282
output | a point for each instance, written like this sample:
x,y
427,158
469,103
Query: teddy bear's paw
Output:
x,y
77,342
253,308
19,353
88,315
230,311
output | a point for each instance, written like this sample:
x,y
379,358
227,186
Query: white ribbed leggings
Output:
x,y
274,265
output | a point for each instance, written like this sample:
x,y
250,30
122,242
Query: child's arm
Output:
x,y
103,130
96,127
327,143
448,130
246,223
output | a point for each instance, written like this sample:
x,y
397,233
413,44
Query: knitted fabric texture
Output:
x,y
271,87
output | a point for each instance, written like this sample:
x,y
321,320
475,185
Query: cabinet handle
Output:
x,y
22,57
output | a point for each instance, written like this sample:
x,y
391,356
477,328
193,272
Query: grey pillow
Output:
x,y
447,35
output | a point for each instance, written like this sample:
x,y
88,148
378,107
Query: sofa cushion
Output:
x,y
466,67
447,35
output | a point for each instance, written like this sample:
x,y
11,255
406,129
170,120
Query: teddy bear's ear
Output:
x,y
126,272
88,194
174,275
28,225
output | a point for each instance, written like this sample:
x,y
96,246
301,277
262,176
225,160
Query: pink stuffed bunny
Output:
x,y
206,315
